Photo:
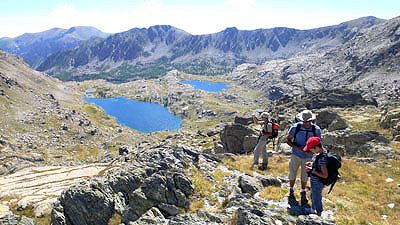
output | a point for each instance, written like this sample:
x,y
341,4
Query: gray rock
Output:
x,y
183,184
212,132
87,203
388,119
138,205
337,98
243,120
26,221
269,180
169,210
219,147
233,136
252,217
330,120
249,184
249,142
313,220
152,216
155,188
396,138
284,149
351,143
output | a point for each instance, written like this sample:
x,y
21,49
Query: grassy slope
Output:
x,y
362,195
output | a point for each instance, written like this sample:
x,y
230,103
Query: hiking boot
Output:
x,y
263,167
303,200
292,199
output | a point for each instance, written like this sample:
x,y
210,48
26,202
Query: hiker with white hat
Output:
x,y
263,139
297,138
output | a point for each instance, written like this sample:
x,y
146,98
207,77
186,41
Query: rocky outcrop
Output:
x,y
9,218
237,138
391,120
337,98
151,181
243,120
356,143
330,120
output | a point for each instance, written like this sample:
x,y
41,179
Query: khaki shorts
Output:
x,y
294,164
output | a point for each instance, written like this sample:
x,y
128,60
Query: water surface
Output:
x,y
207,85
142,116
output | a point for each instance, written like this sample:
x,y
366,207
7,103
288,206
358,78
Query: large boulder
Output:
x,y
249,184
238,138
87,203
330,120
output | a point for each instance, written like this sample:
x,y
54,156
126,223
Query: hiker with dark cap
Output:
x,y
297,138
317,169
263,139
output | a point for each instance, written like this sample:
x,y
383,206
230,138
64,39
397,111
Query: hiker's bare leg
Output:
x,y
303,185
291,183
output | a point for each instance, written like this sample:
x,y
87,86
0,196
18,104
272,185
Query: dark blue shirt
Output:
x,y
319,161
301,138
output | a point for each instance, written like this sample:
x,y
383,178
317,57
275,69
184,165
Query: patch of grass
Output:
x,y
202,187
273,193
219,175
363,194
28,212
360,197
116,219
277,166
365,121
196,205
98,115
80,152
395,146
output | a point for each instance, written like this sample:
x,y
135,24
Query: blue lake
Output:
x,y
142,116
207,85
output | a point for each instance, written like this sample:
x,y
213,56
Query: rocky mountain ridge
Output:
x,y
153,51
35,47
367,64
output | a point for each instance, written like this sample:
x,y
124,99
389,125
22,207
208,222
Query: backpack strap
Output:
x,y
314,130
333,184
298,127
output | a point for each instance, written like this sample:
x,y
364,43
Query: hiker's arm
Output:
x,y
256,121
289,141
323,173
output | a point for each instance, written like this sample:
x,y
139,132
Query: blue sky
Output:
x,y
196,17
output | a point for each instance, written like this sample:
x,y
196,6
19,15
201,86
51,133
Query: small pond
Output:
x,y
142,116
207,85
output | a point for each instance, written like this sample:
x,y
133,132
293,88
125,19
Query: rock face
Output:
x,y
360,144
391,120
238,138
365,64
151,182
337,98
330,120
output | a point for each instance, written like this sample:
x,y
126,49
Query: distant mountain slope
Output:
x,y
151,52
368,63
44,121
35,47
